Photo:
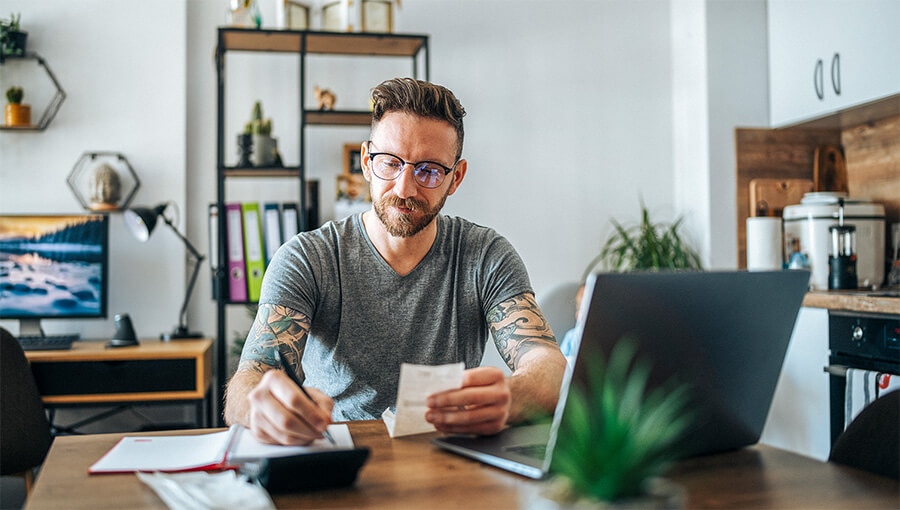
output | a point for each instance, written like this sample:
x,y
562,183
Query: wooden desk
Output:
x,y
155,371
411,473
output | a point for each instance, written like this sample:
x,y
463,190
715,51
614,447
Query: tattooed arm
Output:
x,y
266,401
527,345
488,400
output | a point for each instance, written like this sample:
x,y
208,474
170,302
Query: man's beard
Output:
x,y
406,225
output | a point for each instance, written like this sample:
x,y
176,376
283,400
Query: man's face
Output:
x,y
403,206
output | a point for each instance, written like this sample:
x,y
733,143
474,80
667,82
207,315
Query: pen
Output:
x,y
293,376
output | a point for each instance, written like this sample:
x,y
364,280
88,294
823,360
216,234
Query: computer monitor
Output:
x,y
53,266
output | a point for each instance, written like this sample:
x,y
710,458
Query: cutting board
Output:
x,y
830,168
768,197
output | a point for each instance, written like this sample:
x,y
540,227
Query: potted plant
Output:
x,y
646,246
17,113
12,38
618,439
264,147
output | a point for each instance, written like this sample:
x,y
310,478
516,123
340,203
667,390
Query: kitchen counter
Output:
x,y
854,301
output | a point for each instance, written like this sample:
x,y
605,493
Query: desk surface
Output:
x,y
411,473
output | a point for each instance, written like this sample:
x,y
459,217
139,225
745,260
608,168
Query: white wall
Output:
x,y
122,66
571,121
569,118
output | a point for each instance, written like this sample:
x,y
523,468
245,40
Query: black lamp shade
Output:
x,y
142,220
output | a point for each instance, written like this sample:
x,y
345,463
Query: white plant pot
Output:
x,y
265,149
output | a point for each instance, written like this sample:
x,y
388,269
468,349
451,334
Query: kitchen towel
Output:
x,y
863,387
764,245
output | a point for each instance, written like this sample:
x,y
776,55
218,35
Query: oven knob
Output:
x,y
858,333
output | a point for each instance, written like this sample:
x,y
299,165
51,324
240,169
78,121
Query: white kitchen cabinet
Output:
x,y
826,55
798,419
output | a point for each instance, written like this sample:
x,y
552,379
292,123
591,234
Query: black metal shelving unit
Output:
x,y
301,43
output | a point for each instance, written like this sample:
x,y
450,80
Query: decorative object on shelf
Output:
x,y
17,113
245,149
293,14
12,39
618,439
352,189
377,15
103,181
264,147
362,15
244,14
49,112
324,98
140,222
647,246
336,16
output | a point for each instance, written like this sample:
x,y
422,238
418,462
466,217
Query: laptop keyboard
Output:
x,y
47,342
535,451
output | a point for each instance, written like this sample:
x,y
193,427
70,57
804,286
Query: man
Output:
x,y
346,304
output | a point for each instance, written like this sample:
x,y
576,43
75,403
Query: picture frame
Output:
x,y
297,15
336,16
351,184
377,16
352,159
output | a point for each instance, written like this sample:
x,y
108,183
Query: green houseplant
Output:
x,y
646,246
12,38
618,438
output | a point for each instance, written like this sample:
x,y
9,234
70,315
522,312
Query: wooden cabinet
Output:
x,y
298,43
798,420
827,55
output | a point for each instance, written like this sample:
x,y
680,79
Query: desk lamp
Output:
x,y
141,221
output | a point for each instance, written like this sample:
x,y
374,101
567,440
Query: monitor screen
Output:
x,y
53,266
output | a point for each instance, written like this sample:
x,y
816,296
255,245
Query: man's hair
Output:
x,y
420,98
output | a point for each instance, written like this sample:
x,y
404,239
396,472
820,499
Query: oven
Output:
x,y
862,341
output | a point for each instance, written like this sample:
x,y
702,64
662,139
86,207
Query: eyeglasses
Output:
x,y
428,174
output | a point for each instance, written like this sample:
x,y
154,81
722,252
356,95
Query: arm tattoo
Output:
x,y
518,327
275,327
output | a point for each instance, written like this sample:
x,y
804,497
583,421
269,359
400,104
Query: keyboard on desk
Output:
x,y
47,342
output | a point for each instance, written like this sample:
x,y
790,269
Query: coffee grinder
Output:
x,y
842,255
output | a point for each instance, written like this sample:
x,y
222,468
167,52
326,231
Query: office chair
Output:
x,y
872,440
24,430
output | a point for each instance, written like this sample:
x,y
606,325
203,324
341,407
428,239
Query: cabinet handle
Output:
x,y
836,73
819,80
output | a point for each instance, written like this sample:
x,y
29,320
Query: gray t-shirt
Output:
x,y
367,319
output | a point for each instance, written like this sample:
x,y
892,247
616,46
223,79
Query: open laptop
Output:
x,y
724,333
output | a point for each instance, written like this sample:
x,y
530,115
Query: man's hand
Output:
x,y
281,414
481,406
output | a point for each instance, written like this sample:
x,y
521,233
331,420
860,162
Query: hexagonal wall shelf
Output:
x,y
103,181
49,111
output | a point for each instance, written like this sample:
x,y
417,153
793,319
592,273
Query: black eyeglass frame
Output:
x,y
403,163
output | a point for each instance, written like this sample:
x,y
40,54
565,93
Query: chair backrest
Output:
x,y
24,431
558,307
872,440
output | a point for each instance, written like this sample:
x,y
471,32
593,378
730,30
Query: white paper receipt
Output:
x,y
416,383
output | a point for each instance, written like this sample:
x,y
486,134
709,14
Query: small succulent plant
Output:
x,y
15,94
257,125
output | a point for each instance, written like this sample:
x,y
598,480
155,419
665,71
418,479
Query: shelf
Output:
x,y
49,112
338,118
301,43
261,172
331,43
